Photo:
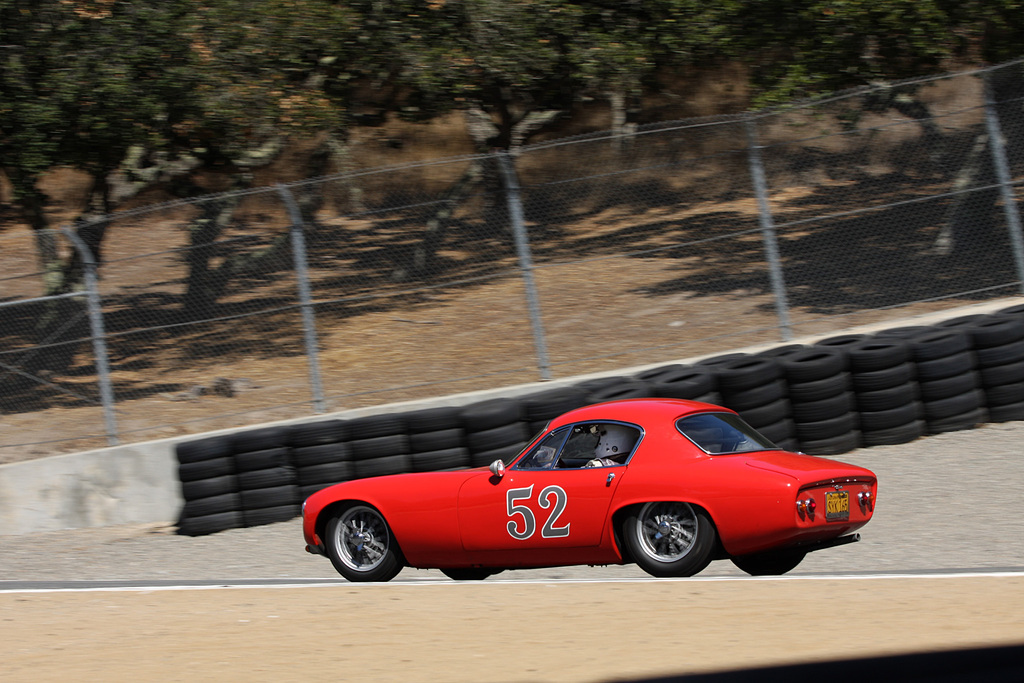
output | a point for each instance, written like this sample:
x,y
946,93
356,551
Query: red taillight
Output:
x,y
864,497
807,506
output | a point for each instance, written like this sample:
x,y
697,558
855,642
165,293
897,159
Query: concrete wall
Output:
x,y
138,483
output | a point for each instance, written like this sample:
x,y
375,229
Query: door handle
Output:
x,y
608,481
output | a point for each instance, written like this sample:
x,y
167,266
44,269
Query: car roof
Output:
x,y
637,410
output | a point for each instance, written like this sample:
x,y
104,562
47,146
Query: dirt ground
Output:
x,y
497,631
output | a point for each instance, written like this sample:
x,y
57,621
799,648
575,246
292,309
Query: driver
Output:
x,y
613,445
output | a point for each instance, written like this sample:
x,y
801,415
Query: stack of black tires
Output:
x,y
839,394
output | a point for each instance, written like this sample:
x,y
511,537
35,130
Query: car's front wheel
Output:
x,y
360,545
773,563
669,538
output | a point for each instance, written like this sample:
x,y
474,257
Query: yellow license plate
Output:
x,y
837,506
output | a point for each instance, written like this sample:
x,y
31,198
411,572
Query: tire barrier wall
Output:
x,y
827,398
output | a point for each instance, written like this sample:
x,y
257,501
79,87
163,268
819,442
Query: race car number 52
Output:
x,y
550,497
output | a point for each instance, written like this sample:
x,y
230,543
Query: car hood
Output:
x,y
806,469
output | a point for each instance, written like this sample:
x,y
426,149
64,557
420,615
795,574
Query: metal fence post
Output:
x,y
99,343
998,144
305,297
515,209
771,246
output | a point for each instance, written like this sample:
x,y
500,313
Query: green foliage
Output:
x,y
84,81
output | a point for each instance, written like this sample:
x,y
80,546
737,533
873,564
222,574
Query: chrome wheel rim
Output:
x,y
666,531
361,538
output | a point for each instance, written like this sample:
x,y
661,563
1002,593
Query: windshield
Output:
x,y
718,433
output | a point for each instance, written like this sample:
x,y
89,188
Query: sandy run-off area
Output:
x,y
497,631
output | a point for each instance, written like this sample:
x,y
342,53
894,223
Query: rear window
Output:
x,y
718,433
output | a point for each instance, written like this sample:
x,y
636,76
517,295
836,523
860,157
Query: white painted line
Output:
x,y
334,583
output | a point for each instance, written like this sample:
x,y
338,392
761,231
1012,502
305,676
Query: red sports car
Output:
x,y
668,484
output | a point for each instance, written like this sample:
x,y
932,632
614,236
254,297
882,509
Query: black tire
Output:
x,y
485,458
997,330
963,322
626,388
877,354
1002,374
468,573
956,423
947,366
270,515
713,362
204,488
382,466
498,437
361,546
669,538
939,343
424,442
374,426
877,380
261,460
204,449
842,341
271,496
270,477
210,524
770,413
887,399
1000,355
447,459
813,363
259,439
1004,394
484,415
772,563
937,389
937,411
746,372
781,351
878,420
819,389
824,409
844,443
379,446
308,456
908,332
318,433
756,396
687,383
1008,412
889,437
201,507
206,469
433,419
545,405
779,432
826,429
325,473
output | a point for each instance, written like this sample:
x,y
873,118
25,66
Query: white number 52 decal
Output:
x,y
529,523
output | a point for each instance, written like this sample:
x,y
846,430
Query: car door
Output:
x,y
547,500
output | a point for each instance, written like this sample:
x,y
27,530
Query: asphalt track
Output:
x,y
940,569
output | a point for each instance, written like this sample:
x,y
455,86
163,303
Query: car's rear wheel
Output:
x,y
769,563
669,538
360,545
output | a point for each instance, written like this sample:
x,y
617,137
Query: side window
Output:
x,y
599,444
543,455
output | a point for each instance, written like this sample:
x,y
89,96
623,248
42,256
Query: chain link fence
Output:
x,y
578,255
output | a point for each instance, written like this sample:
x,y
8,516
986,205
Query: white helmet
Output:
x,y
613,441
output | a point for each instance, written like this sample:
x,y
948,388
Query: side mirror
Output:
x,y
498,468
